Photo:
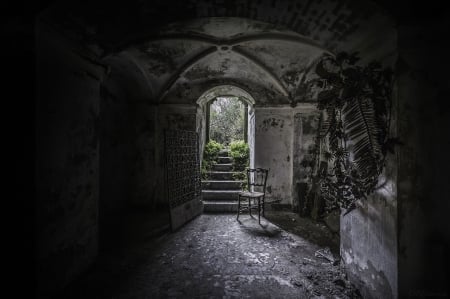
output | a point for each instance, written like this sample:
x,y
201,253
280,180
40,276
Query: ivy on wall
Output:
x,y
352,141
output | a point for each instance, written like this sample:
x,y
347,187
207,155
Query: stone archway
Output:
x,y
203,103
169,70
221,187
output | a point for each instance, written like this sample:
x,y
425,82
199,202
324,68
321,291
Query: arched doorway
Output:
x,y
220,189
204,102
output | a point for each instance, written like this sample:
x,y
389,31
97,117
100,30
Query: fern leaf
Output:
x,y
363,132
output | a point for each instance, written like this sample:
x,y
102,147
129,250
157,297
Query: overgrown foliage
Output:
x,y
227,120
210,155
240,152
352,140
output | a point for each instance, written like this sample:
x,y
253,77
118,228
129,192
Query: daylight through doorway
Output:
x,y
228,121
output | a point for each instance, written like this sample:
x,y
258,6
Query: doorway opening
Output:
x,y
226,128
228,120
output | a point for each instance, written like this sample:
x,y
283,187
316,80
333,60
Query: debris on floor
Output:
x,y
214,256
326,253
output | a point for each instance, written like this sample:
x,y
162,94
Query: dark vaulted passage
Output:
x,y
119,208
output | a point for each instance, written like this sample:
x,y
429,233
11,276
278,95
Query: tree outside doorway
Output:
x,y
227,120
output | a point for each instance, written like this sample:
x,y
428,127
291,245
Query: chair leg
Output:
x,y
264,206
259,210
239,207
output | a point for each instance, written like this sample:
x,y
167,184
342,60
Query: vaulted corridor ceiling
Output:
x,y
178,50
264,59
113,77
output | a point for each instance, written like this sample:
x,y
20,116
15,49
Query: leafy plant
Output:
x,y
210,155
240,153
241,176
355,120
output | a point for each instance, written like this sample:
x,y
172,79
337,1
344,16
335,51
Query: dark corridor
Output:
x,y
110,78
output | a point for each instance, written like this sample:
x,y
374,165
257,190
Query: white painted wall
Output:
x,y
275,147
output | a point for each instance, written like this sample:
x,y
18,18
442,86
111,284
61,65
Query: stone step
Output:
x,y
223,167
225,160
221,185
219,206
221,175
220,195
224,153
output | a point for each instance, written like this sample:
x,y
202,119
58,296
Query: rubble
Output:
x,y
232,258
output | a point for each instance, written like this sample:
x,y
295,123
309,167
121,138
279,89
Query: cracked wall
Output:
x,y
291,132
157,105
369,236
275,125
305,130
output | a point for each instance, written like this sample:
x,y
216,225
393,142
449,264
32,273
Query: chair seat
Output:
x,y
251,194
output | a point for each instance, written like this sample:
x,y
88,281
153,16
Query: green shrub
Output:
x,y
240,152
210,155
241,176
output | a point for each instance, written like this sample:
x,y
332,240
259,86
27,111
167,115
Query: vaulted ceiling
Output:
x,y
266,60
265,47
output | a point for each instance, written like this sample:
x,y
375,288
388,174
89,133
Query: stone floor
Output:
x,y
215,256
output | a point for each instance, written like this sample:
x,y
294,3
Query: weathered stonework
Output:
x,y
160,64
279,146
305,125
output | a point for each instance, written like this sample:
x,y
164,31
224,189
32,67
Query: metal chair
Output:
x,y
256,183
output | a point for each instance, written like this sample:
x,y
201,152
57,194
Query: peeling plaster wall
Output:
x,y
369,240
67,161
334,25
369,233
273,150
188,92
305,131
144,192
282,137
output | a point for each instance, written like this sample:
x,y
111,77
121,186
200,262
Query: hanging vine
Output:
x,y
355,105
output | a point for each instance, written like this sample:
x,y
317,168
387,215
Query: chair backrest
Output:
x,y
257,177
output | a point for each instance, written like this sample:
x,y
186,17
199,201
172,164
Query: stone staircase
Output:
x,y
220,191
